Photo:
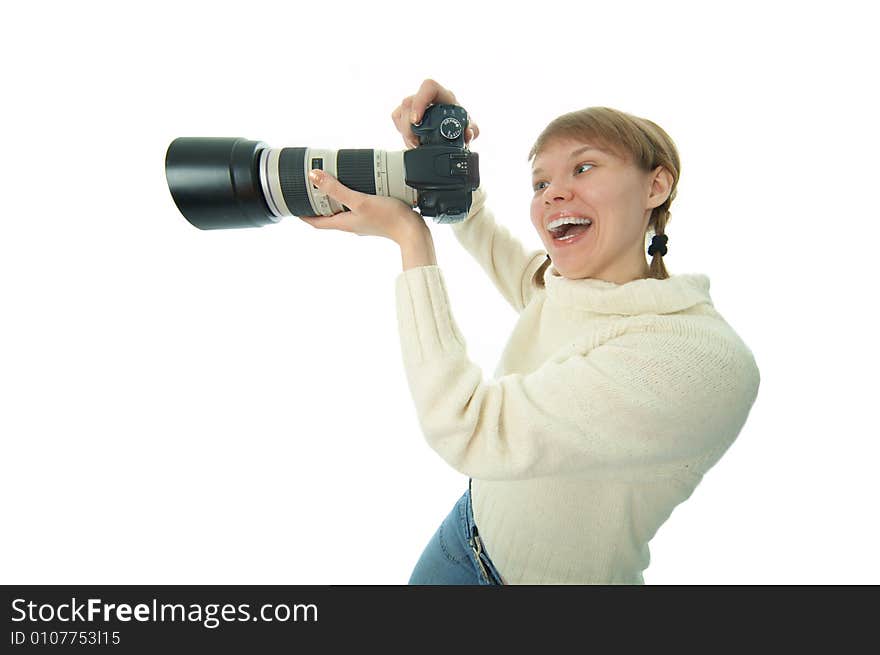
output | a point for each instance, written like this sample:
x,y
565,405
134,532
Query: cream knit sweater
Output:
x,y
608,406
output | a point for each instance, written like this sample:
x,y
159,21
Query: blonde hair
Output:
x,y
633,139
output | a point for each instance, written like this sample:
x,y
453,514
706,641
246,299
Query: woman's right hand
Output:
x,y
413,107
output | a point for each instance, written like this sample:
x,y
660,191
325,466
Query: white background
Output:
x,y
184,407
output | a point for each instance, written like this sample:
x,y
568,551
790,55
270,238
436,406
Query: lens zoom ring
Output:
x,y
291,172
355,168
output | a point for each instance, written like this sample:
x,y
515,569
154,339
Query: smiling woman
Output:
x,y
619,388
615,171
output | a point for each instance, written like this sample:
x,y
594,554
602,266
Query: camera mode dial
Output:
x,y
451,128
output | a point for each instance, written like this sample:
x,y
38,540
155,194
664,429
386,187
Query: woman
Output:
x,y
619,388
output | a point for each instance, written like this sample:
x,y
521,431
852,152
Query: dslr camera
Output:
x,y
219,182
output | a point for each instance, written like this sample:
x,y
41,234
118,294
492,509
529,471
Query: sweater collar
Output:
x,y
643,296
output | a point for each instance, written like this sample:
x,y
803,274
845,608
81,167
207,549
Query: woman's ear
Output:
x,y
661,187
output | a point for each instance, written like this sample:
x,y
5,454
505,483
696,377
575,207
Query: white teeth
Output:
x,y
568,220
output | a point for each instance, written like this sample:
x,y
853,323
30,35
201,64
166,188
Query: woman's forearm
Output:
x,y
417,248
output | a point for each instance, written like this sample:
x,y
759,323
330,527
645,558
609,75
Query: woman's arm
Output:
x,y
417,248
506,261
643,402
509,265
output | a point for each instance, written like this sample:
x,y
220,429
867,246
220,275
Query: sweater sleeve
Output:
x,y
507,262
641,402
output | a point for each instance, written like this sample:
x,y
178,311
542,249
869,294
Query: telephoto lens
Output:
x,y
222,182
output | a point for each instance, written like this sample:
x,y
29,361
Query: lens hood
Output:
x,y
215,182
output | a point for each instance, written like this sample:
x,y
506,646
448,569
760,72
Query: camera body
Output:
x,y
443,170
221,183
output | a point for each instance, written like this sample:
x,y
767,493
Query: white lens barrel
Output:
x,y
394,174
388,171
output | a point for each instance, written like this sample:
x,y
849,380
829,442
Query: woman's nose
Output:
x,y
556,192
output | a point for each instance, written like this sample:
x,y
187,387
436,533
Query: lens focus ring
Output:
x,y
356,170
291,173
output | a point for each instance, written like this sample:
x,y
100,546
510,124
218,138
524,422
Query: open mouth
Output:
x,y
570,233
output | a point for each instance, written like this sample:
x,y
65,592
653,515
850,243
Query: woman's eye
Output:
x,y
537,187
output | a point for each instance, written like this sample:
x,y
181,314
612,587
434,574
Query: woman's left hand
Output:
x,y
368,215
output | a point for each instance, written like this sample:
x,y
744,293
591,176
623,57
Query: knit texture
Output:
x,y
609,404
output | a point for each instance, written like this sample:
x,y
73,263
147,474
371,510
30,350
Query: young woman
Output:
x,y
619,388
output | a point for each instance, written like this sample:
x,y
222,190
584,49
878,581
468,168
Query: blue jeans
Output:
x,y
456,555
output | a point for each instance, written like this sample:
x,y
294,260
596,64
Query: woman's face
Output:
x,y
570,178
